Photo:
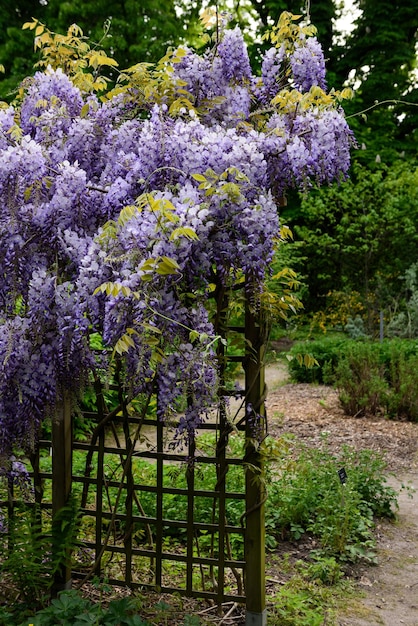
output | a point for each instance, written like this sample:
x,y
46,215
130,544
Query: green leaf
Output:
x,y
193,335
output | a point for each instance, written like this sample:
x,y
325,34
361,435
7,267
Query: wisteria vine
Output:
x,y
120,213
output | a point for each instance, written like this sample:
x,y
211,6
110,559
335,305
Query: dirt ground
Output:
x,y
388,591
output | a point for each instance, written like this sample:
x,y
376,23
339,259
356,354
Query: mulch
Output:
x,y
311,412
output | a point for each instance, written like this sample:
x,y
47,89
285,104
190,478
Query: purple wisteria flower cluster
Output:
x,y
155,201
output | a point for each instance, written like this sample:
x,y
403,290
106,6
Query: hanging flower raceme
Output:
x,y
118,215
308,64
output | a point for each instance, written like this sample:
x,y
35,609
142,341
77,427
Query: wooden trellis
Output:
x,y
128,476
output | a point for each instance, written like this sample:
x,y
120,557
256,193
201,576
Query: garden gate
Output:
x,y
137,490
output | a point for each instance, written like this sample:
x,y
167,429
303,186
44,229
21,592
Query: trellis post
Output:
x,y
61,440
255,591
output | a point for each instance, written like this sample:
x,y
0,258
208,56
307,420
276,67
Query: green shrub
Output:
x,y
327,353
371,377
360,378
379,377
392,350
402,400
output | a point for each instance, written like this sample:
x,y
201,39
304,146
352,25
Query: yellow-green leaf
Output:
x,y
123,344
167,266
184,231
126,291
28,192
193,335
151,328
148,265
30,25
199,178
85,110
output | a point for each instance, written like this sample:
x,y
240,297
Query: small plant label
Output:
x,y
343,475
